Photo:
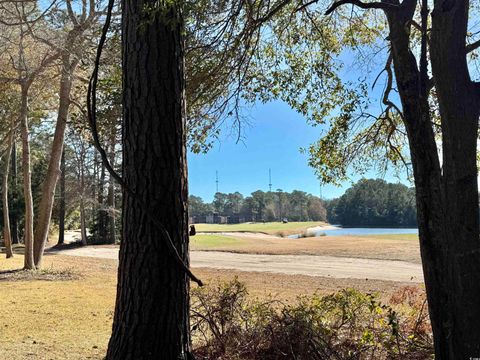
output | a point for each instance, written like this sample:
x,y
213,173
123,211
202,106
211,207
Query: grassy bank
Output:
x,y
271,228
210,241
411,237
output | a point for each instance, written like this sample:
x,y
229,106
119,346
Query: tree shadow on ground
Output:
x,y
61,247
47,274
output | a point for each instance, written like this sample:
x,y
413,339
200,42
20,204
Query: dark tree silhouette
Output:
x,y
151,313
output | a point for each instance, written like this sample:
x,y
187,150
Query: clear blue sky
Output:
x,y
272,140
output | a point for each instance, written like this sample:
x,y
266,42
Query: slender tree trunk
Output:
x,y
53,172
102,213
94,188
111,196
151,315
61,212
7,237
111,212
27,181
13,216
83,225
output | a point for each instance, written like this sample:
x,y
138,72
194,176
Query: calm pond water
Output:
x,y
364,231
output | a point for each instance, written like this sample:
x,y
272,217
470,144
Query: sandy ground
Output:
x,y
338,246
311,265
320,228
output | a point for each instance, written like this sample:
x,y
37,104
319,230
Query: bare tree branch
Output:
x,y
473,46
25,21
360,4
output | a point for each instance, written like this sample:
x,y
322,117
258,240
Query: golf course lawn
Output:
x,y
272,228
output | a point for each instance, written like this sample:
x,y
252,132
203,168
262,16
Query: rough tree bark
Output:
x,y
459,103
7,236
424,156
29,262
151,315
447,205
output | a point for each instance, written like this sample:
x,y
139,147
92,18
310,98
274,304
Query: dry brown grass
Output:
x,y
346,246
70,318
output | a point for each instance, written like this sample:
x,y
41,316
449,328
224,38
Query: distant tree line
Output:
x,y
374,203
268,206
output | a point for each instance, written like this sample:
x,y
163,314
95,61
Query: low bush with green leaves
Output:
x,y
227,324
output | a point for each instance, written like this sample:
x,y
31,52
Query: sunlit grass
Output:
x,y
207,241
273,228
67,317
392,236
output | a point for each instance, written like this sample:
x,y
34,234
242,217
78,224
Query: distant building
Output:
x,y
202,219
236,219
249,218
216,219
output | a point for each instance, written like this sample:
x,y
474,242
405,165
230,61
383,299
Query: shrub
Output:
x,y
228,325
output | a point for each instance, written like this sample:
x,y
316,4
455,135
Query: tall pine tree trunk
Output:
x,y
151,315
93,213
7,235
111,195
83,221
13,216
29,262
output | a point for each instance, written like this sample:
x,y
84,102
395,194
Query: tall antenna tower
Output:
x,y
270,179
216,179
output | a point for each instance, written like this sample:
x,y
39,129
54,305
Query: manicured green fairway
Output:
x,y
205,241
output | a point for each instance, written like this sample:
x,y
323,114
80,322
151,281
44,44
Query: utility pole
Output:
x,y
216,181
270,179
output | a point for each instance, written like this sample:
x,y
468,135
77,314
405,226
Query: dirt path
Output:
x,y
312,265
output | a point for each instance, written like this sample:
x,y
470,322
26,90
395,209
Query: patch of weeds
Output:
x,y
46,274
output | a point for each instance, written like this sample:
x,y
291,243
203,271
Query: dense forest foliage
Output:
x,y
369,202
260,205
374,203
